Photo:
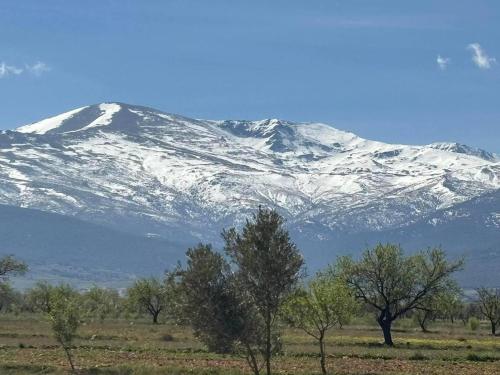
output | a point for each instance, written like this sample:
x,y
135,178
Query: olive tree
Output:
x,y
394,284
212,304
323,304
267,267
489,305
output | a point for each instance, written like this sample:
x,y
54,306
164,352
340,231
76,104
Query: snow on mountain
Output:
x,y
49,124
464,149
141,170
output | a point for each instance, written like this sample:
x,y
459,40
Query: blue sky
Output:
x,y
370,66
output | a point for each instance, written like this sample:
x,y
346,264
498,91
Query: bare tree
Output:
x,y
489,304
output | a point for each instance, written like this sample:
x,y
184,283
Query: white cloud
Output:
x,y
7,70
443,62
479,56
38,68
35,69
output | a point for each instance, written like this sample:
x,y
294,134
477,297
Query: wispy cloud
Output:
x,y
443,62
479,56
7,70
36,69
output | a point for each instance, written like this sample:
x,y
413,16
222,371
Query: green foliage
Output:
x,y
473,324
10,299
64,314
325,303
101,303
38,297
445,303
148,296
451,304
10,266
267,268
468,311
220,319
394,284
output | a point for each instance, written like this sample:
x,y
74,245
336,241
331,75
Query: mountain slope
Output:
x,y
140,170
61,248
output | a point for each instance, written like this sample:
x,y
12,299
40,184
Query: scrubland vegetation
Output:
x,y
250,309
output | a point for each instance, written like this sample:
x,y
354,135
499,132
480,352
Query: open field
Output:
x,y
138,347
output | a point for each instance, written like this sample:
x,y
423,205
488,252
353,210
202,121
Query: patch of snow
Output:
x,y
51,123
109,110
17,175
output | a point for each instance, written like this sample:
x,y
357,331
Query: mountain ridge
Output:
x,y
145,171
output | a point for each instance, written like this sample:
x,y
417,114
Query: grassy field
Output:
x,y
138,347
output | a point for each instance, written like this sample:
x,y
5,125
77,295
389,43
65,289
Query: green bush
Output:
x,y
473,324
480,358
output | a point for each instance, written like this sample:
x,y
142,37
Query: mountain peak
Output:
x,y
107,116
82,118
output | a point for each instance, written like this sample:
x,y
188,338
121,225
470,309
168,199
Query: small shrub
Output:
x,y
473,324
21,345
480,358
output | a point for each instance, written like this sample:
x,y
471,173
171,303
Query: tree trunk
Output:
x,y
493,328
322,354
422,326
70,359
155,317
385,322
268,344
422,322
386,329
252,362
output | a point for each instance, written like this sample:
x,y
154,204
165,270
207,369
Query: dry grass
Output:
x,y
123,347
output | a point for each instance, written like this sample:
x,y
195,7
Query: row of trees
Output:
x,y
236,300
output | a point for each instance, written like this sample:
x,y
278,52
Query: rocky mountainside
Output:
x,y
146,173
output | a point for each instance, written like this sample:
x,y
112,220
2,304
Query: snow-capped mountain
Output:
x,y
156,174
